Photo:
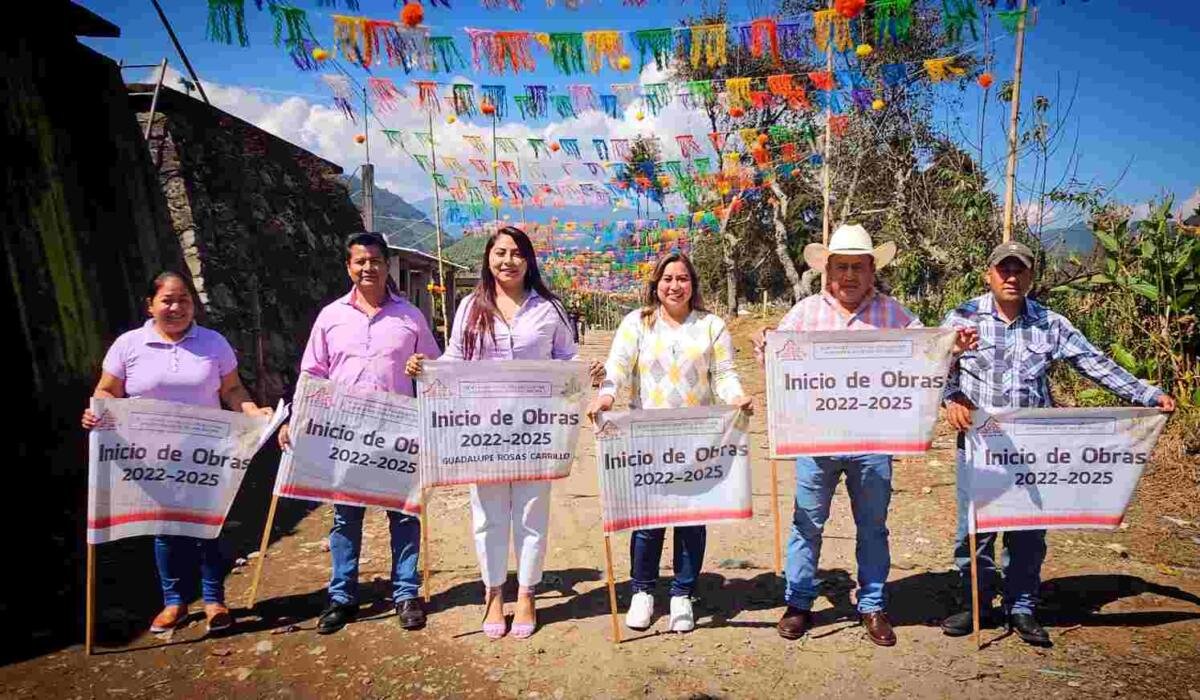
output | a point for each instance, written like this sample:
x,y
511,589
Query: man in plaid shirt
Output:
x,y
1019,338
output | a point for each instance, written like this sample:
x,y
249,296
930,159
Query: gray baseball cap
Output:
x,y
1012,249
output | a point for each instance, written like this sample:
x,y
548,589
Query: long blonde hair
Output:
x,y
651,302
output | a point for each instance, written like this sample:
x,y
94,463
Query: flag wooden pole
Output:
x,y
1011,172
974,578
825,186
776,517
425,543
252,596
612,590
89,605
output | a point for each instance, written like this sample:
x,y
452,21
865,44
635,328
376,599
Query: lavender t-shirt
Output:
x,y
188,371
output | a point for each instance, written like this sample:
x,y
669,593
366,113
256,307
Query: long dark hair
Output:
x,y
481,317
651,303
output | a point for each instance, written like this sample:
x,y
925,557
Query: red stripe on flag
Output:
x,y
330,494
496,480
687,516
1034,521
792,449
178,516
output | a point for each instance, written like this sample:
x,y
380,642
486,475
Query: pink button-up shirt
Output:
x,y
822,312
539,331
349,347
188,371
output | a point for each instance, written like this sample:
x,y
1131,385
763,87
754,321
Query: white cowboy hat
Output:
x,y
849,239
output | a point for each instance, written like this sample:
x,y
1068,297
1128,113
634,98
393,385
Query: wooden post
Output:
x,y
777,542
974,577
262,553
425,543
1011,174
612,591
825,224
89,604
437,228
764,303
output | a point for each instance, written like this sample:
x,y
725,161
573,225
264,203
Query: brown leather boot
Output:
x,y
879,628
794,623
171,617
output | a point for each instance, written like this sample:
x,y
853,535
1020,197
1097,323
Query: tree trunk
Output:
x,y
730,263
779,214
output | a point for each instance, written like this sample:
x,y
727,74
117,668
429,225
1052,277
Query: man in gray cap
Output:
x,y
1019,338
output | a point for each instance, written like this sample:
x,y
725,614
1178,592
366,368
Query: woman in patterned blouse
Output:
x,y
672,353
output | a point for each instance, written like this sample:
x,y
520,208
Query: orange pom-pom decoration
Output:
x,y
624,63
985,80
554,146
762,139
319,54
450,119
487,107
412,14
360,138
736,112
849,8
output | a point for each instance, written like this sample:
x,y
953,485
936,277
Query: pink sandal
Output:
x,y
494,630
524,630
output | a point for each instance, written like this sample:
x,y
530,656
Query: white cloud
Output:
x,y
1187,206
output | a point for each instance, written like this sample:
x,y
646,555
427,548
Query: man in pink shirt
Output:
x,y
364,339
848,302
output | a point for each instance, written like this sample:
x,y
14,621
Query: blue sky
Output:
x,y
1135,112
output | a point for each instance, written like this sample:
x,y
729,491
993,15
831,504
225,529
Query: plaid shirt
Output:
x,y
821,312
1010,367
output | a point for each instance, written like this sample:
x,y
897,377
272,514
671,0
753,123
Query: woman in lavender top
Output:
x,y
511,315
172,359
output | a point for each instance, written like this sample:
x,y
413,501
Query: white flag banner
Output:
x,y
677,466
1056,468
165,468
496,421
352,446
855,392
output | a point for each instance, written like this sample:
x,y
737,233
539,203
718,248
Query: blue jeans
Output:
x,y
345,544
178,558
1022,557
869,483
645,551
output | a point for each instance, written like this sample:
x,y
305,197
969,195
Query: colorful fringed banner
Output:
x,y
717,139
893,18
440,180
583,97
536,172
788,153
479,165
384,94
821,80
957,14
862,98
761,99
626,93
489,187
571,148
608,104
538,146
708,44
661,92
453,164
563,106
940,69
339,85
497,95
295,20
422,161
838,124
894,74
427,96
737,92
524,106
476,141
702,165
508,168
780,85
793,40
224,18
349,36
659,43
302,55
601,148
701,91
514,188
350,4
828,100
1009,19
539,100
462,96
603,46
505,144
424,137
444,55
593,168
687,145
764,37
501,50
394,137
619,170
566,50
831,25
621,147
749,137
652,103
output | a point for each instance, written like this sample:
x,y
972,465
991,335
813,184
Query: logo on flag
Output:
x,y
990,428
791,351
320,396
437,390
608,431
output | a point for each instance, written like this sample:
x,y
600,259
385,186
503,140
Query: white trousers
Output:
x,y
522,507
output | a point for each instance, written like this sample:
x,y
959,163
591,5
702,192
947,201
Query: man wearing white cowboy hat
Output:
x,y
849,301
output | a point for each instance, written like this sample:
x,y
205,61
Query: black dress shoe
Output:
x,y
960,624
411,614
335,617
1028,629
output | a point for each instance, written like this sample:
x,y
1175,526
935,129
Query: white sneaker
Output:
x,y
682,619
641,611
